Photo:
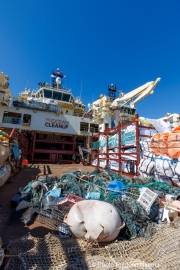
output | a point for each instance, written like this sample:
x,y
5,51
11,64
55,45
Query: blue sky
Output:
x,y
97,42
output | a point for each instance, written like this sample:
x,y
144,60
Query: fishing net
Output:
x,y
51,252
69,185
95,185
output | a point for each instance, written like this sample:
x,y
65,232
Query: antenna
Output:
x,y
81,86
27,78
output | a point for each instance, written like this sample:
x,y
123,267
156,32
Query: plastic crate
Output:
x,y
70,200
146,198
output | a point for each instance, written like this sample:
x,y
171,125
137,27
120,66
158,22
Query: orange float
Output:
x,y
25,162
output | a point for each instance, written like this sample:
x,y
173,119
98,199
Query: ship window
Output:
x,y
94,128
39,94
106,125
26,118
84,127
66,97
12,118
47,93
57,95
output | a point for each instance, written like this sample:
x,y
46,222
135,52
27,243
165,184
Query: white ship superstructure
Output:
x,y
51,118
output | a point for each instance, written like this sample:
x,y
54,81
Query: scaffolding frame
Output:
x,y
118,129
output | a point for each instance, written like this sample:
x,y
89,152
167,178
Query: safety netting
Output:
x,y
52,253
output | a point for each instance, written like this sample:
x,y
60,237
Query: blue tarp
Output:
x,y
54,192
116,185
16,151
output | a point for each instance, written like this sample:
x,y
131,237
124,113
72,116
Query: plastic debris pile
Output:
x,y
148,207
51,198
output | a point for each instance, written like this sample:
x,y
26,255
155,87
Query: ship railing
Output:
x,y
77,114
85,128
41,106
54,87
65,90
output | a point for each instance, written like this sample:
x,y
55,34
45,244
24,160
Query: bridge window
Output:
x,y
47,93
66,97
57,95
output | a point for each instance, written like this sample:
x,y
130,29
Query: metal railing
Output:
x,y
84,128
41,106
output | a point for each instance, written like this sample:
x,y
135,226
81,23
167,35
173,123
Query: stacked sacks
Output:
x,y
163,167
174,143
102,161
128,136
113,141
159,143
177,168
167,143
147,165
163,163
163,143
154,144
169,148
113,159
145,145
102,143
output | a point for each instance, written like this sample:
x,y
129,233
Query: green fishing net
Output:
x,y
138,221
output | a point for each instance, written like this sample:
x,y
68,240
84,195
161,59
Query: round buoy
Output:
x,y
24,162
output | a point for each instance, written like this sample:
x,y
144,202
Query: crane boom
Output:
x,y
135,95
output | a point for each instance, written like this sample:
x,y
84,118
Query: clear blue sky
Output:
x,y
126,42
